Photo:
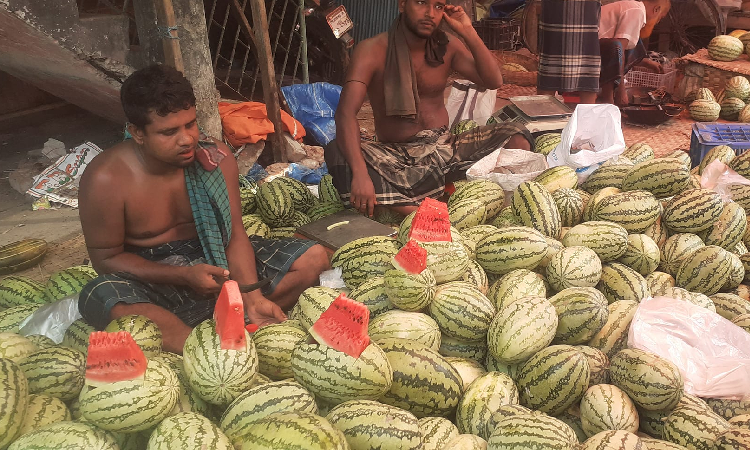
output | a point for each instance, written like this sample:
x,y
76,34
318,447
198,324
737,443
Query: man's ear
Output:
x,y
137,133
401,4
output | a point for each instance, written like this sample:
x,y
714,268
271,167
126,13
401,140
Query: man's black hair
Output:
x,y
157,88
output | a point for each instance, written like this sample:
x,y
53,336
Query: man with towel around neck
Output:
x,y
404,73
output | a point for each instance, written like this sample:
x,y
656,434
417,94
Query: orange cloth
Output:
x,y
248,123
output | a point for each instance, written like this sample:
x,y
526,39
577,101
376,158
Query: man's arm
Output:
x,y
487,73
353,94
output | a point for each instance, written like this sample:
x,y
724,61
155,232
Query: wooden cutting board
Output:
x,y
358,226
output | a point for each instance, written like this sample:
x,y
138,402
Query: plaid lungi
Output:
x,y
272,258
405,173
569,46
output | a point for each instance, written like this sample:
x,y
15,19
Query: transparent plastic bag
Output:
x,y
52,320
712,353
508,168
718,177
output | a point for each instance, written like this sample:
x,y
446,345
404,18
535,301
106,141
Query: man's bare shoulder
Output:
x,y
373,48
110,166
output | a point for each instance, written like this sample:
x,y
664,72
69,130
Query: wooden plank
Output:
x,y
172,53
239,13
268,75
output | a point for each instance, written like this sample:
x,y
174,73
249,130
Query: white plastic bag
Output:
x,y
712,353
52,320
599,125
469,101
718,177
332,279
508,167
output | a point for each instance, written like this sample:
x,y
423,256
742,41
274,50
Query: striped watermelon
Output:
x,y
436,432
659,282
553,379
682,155
495,365
729,305
536,208
607,407
581,313
274,344
704,110
740,194
467,213
144,331
723,153
609,240
281,233
728,229
742,321
693,210
409,292
461,311
476,276
733,439
614,334
547,142
663,177
324,209
730,108
614,440
634,210
14,396
598,364
413,326
553,248
66,435
514,285
20,290
728,408
55,371
620,282
43,410
511,248
741,164
705,270
642,254
532,431
327,192
741,421
275,205
606,176
521,329
261,401
691,297
506,218
694,428
725,48
293,430
372,294
737,87
560,177
188,430
312,303
254,226
482,398
638,153
67,282
575,266
15,347
424,383
218,376
467,442
336,377
187,400
652,382
368,424
489,193
468,369
676,249
592,205
450,347
41,341
570,205
572,417
77,336
447,261
300,194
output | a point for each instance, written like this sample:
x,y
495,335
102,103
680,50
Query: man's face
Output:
x,y
172,139
422,16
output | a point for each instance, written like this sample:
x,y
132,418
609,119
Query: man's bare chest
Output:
x,y
153,208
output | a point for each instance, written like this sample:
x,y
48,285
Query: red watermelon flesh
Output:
x,y
113,357
431,223
229,314
343,326
411,258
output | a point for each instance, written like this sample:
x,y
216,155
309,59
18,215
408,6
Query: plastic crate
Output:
x,y
652,80
499,34
706,136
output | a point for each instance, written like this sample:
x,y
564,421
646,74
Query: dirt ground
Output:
x,y
73,126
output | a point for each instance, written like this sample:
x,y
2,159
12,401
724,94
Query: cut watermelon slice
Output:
x,y
431,223
343,326
229,314
113,357
411,258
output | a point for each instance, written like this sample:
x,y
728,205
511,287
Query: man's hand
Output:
x,y
262,311
457,19
204,278
651,66
363,194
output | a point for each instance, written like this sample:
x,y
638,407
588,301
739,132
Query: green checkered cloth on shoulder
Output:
x,y
213,218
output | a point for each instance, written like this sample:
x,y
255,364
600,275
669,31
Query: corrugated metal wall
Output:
x,y
370,17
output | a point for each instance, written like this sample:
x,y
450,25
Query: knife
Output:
x,y
245,288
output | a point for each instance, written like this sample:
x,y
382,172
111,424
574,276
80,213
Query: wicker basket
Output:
x,y
715,79
518,78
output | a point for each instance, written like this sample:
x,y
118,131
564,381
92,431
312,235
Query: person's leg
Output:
x,y
607,95
518,141
303,273
403,210
174,331
587,98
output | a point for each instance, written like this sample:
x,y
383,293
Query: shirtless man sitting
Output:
x,y
404,73
162,220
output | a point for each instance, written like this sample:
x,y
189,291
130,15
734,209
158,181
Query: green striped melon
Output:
x,y
468,369
729,305
261,401
15,347
663,177
312,303
424,382
728,408
247,198
495,365
705,270
532,432
476,276
461,311
467,442
695,298
595,199
77,336
614,440
730,108
409,292
740,194
372,294
413,326
187,400
657,232
254,226
606,176
694,428
281,233
368,262
678,247
570,205
514,285
43,410
652,422
336,377
490,194
463,126
301,195
638,153
728,229
740,421
275,205
41,341
467,213
572,417
188,430
682,155
510,248
620,282
505,411
293,431
506,218
521,329
704,110
436,432
741,163
574,266
368,424
274,344
20,290
547,142
581,313
14,396
642,254
68,282
693,210
12,318
447,261
732,439
613,335
652,382
218,376
725,48
536,208
737,87
55,371
634,210
553,379
723,153
659,282
607,407
742,321
144,331
482,398
736,273
66,435
608,239
132,405
456,348
553,248
324,209
327,192
560,177
598,364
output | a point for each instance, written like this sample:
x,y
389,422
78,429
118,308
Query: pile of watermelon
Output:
x,y
487,327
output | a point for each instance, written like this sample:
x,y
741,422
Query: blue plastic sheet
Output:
x,y
314,105
307,175
256,173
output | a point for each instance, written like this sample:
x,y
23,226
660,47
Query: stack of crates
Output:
x,y
706,136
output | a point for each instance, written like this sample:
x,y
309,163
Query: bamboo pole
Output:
x,y
172,53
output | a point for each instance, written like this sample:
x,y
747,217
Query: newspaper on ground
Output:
x,y
59,181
